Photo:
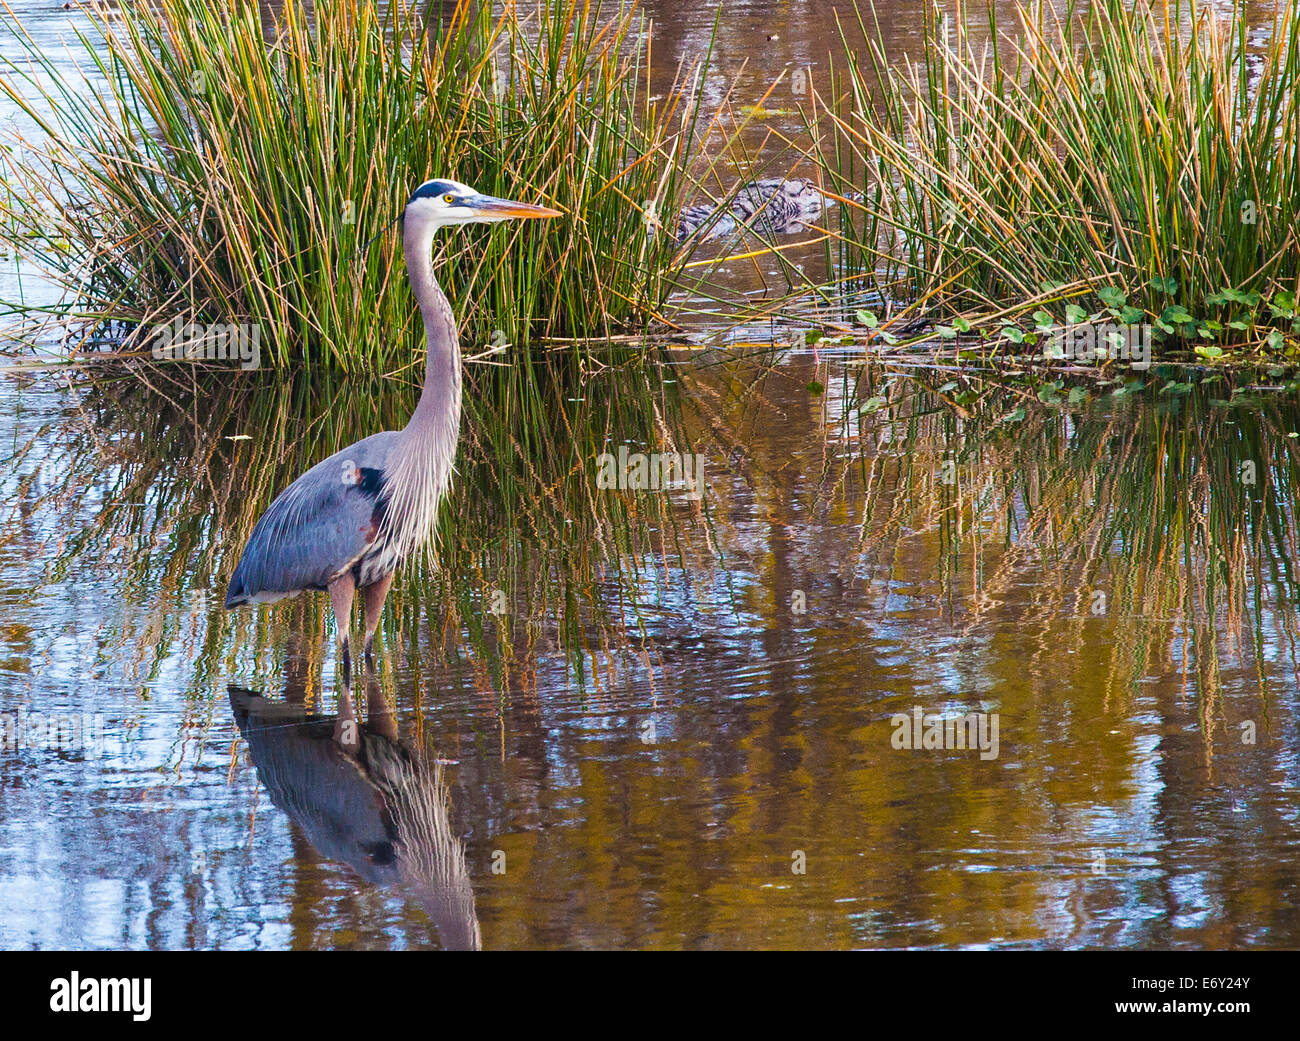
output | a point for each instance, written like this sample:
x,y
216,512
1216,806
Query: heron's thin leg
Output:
x,y
341,592
375,595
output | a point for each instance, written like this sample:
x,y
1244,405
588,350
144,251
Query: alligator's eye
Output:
x,y
449,199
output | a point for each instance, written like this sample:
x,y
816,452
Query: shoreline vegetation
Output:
x,y
234,166
1122,162
1008,189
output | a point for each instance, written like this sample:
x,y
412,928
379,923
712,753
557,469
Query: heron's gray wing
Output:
x,y
314,530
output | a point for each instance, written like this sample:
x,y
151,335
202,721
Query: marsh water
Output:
x,y
657,721
675,715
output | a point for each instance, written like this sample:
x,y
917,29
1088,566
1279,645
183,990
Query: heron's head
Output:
x,y
440,202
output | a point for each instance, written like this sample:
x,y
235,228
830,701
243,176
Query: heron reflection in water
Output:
x,y
363,797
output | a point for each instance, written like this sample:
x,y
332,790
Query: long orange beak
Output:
x,y
502,209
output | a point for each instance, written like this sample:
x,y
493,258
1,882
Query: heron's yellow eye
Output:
x,y
449,198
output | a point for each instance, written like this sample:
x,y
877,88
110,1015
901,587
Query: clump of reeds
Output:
x,y
1140,161
222,163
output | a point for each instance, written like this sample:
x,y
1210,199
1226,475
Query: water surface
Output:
x,y
684,704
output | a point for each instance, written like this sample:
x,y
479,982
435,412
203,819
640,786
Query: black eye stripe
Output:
x,y
435,190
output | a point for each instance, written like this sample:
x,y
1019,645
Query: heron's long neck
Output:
x,y
437,416
420,472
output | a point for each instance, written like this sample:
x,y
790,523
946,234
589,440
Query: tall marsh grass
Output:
x,y
223,163
1139,159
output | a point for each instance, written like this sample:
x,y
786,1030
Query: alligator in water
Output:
x,y
773,206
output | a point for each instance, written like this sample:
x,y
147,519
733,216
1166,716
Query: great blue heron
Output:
x,y
349,522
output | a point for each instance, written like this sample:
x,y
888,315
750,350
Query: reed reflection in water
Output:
x,y
649,729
